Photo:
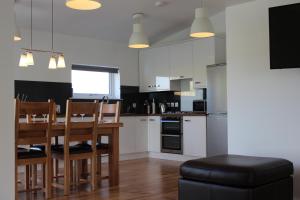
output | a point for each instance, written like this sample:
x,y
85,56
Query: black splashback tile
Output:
x,y
42,91
131,96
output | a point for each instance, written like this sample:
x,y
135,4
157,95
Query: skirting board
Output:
x,y
174,157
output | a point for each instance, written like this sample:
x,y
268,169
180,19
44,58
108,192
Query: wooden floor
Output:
x,y
142,179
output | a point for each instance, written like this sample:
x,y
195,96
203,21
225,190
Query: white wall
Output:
x,y
7,156
263,104
78,50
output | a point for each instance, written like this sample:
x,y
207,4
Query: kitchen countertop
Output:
x,y
165,114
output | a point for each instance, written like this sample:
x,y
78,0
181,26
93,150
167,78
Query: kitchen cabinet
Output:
x,y
181,60
154,130
141,134
127,135
194,136
206,52
154,69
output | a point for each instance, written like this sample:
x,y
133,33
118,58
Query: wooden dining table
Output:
x,y
104,129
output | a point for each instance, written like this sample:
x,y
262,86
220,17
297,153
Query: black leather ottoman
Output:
x,y
233,177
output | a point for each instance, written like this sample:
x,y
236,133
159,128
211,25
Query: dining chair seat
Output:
x,y
24,153
75,149
99,146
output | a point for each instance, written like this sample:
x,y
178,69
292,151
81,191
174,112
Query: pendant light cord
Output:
x,y
31,24
52,27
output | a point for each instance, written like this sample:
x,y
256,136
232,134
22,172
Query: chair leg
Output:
x,y
34,176
66,177
27,178
94,172
56,167
72,172
44,175
99,166
16,182
79,170
48,171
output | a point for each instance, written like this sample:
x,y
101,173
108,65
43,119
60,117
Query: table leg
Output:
x,y
114,158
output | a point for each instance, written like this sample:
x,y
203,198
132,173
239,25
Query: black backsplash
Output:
x,y
131,95
42,91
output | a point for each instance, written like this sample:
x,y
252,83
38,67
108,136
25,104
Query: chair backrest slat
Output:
x,y
31,132
81,130
34,108
111,110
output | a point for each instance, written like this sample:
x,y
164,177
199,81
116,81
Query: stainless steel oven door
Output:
x,y
171,143
171,127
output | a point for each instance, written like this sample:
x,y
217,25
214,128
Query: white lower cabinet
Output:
x,y
194,136
154,134
127,135
141,134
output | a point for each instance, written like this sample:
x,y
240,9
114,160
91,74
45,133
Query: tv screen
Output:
x,y
284,22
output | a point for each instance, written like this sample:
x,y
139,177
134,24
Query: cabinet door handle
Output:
x,y
152,120
187,120
181,76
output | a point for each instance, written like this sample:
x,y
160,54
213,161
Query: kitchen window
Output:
x,y
94,82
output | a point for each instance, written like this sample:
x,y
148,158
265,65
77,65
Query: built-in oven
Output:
x,y
171,134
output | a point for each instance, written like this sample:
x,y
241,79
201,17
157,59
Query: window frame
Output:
x,y
113,77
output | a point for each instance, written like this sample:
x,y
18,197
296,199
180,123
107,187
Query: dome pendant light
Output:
x,y
202,26
83,4
138,39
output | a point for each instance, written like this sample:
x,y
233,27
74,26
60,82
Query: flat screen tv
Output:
x,y
284,22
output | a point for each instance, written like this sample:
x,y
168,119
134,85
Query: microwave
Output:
x,y
199,106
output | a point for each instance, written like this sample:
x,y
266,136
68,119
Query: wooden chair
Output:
x,y
78,131
109,113
29,133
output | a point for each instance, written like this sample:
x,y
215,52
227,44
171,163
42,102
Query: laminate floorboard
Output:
x,y
141,179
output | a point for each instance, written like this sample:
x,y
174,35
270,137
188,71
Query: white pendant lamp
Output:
x,y
83,4
61,61
17,33
23,60
52,63
30,60
138,39
202,26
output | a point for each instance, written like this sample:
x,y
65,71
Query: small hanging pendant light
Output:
x,y
138,39
17,33
52,63
202,26
61,61
23,60
83,4
30,60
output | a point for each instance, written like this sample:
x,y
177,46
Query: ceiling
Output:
x,y
113,21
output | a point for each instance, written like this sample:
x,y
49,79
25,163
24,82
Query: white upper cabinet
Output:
x,y
186,60
181,60
206,51
154,69
194,136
